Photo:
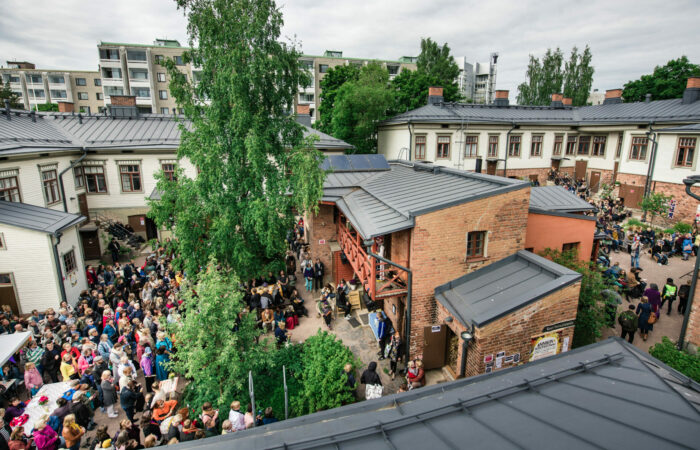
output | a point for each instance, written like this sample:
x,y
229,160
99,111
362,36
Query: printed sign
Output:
x,y
516,358
697,214
671,208
143,221
321,241
565,345
435,328
501,354
508,359
499,362
488,358
559,326
545,345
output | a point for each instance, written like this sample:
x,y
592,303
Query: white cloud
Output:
x,y
628,38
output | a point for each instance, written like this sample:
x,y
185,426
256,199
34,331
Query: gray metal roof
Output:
x,y
20,133
607,395
36,218
389,201
72,131
692,128
502,287
556,198
660,111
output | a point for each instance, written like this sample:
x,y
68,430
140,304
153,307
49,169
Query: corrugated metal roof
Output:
x,y
503,287
605,395
692,128
556,198
658,111
36,218
72,131
20,132
388,201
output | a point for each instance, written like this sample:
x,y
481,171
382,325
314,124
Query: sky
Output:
x,y
627,38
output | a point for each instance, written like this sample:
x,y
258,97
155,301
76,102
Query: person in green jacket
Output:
x,y
628,320
668,294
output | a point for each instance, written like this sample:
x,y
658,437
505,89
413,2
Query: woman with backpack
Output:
x,y
644,312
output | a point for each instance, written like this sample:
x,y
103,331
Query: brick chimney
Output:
x,y
304,115
123,100
435,95
567,101
557,100
613,96
65,107
501,98
691,93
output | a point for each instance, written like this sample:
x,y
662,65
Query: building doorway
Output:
x,y
491,167
8,293
91,242
631,195
452,352
151,229
434,346
83,205
594,184
580,170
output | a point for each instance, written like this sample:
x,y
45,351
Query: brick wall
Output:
x,y
693,330
321,227
513,333
400,242
686,206
541,173
123,100
438,248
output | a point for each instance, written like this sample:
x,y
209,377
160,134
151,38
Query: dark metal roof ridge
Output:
x,y
549,212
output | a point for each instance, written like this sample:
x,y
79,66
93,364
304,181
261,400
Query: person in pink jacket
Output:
x,y
86,359
45,438
32,378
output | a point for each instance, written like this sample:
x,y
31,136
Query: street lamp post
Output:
x,y
689,183
466,336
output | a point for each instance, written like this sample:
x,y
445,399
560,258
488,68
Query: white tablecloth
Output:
x,y
53,391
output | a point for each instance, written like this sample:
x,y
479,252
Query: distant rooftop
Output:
x,y
167,43
502,287
558,199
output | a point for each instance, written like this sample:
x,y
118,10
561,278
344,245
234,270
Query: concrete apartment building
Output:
x,y
39,86
625,142
477,82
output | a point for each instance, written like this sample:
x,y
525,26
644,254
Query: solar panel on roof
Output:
x,y
378,162
360,162
339,162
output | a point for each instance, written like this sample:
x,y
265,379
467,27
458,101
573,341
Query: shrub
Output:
x,y
682,227
632,222
687,364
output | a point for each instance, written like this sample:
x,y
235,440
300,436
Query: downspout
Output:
x,y
57,259
60,178
689,182
505,161
409,282
410,140
652,159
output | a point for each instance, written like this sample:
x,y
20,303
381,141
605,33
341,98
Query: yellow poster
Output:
x,y
545,345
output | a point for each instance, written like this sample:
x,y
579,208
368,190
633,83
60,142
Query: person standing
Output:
x,y
235,416
644,311
373,383
634,251
628,320
395,353
127,398
318,274
309,277
72,432
668,294
350,382
114,248
654,296
683,295
382,334
109,393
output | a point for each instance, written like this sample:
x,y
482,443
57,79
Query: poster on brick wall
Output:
x,y
671,208
545,345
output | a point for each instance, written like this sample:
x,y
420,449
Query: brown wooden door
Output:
x,y
615,168
556,163
138,223
631,195
91,244
83,205
580,170
434,345
534,178
595,181
7,292
491,167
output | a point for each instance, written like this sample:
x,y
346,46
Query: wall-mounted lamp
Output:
x,y
448,319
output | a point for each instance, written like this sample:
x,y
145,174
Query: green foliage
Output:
x,y
360,105
634,222
655,204
322,378
330,84
51,107
666,82
209,352
251,154
436,61
6,93
682,227
667,352
547,76
590,315
606,191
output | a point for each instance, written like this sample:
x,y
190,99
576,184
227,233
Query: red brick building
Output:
x,y
438,222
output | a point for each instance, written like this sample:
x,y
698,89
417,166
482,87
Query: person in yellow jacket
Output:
x,y
69,368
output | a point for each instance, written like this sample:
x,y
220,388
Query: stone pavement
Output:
x,y
669,326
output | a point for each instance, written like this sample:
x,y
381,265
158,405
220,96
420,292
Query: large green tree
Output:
x,y
331,83
360,105
551,75
6,93
209,352
665,82
254,166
